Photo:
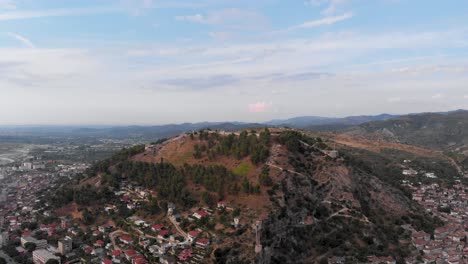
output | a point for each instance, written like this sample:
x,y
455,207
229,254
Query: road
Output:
x,y
113,235
283,169
185,235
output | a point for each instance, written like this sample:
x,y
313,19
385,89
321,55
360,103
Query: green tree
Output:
x,y
208,198
265,178
153,206
88,218
197,152
30,247
265,137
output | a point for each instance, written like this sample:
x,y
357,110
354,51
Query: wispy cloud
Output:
x,y
325,21
7,4
201,82
231,17
17,15
332,6
22,39
197,18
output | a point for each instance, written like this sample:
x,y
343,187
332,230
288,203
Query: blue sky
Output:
x,y
161,61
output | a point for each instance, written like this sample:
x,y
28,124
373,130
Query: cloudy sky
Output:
x,y
170,61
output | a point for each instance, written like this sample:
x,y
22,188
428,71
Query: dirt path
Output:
x,y
113,235
174,223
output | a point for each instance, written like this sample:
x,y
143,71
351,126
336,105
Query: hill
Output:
x,y
433,130
310,204
317,121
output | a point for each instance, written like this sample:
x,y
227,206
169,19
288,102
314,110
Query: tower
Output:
x,y
258,245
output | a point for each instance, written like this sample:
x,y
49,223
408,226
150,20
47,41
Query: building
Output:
x,y
222,204
40,244
65,246
200,214
41,256
126,239
4,237
192,235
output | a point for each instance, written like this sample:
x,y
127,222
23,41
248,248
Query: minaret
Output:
x,y
258,244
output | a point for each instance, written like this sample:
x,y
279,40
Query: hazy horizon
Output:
x,y
148,62
104,125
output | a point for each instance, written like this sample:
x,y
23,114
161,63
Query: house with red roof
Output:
x,y
192,235
116,253
203,242
139,260
157,227
126,239
99,243
163,234
222,204
88,250
185,255
106,261
200,214
130,254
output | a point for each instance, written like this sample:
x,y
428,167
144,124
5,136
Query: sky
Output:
x,y
126,62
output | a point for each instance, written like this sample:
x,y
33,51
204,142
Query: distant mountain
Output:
x,y
311,121
448,130
140,133
149,133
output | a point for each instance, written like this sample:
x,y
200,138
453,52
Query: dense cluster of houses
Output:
x,y
20,206
148,241
143,241
448,244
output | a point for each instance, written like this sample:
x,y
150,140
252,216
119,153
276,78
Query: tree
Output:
x,y
30,247
265,137
265,178
197,152
2,261
324,261
153,206
88,218
208,198
10,250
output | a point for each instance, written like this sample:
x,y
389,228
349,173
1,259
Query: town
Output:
x,y
32,231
